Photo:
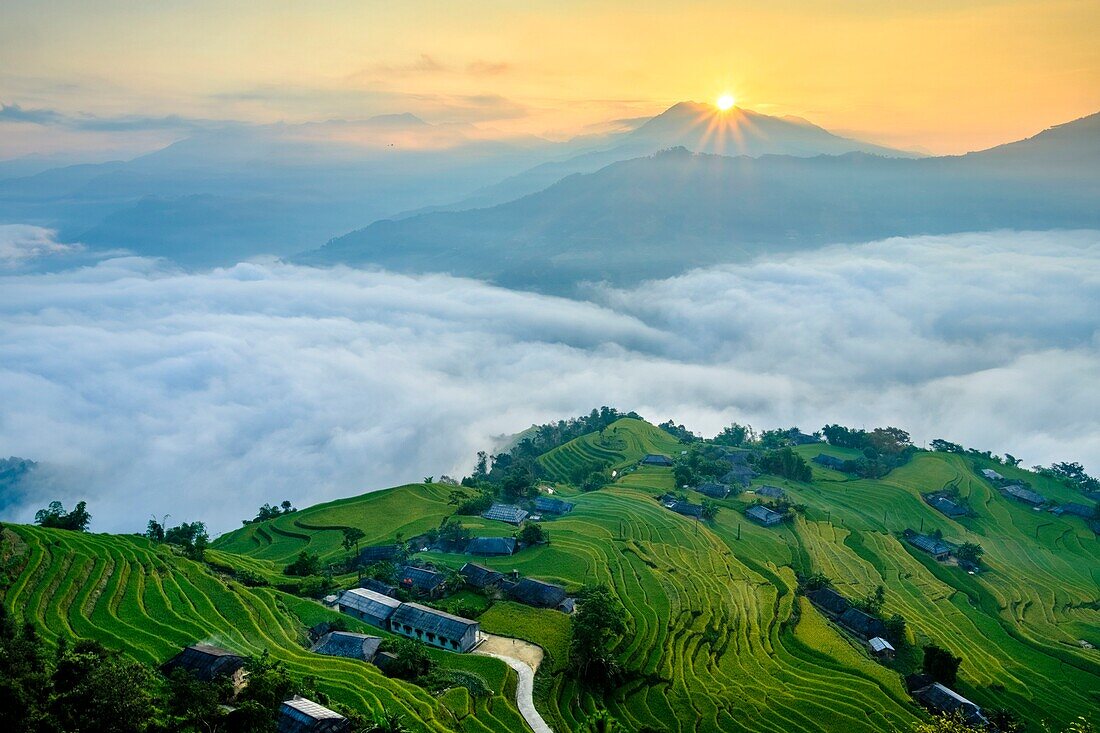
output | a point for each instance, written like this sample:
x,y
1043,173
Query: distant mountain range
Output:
x,y
657,215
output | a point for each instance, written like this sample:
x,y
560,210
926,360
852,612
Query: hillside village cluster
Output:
x,y
401,607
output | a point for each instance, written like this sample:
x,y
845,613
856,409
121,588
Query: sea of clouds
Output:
x,y
148,390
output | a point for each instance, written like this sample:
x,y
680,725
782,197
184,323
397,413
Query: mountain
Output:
x,y
658,215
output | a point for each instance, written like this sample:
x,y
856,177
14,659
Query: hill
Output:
x,y
656,216
720,639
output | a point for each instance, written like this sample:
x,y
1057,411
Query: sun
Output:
x,y
725,102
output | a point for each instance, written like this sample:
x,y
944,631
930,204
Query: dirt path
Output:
x,y
525,658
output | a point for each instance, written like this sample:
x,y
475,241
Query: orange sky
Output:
x,y
946,76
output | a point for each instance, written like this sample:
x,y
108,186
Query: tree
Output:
x,y
411,659
194,704
599,619
532,534
24,678
100,691
305,564
874,600
815,581
191,536
710,509
941,665
970,553
352,536
383,721
55,517
735,435
895,630
945,446
154,530
786,463
269,683
429,479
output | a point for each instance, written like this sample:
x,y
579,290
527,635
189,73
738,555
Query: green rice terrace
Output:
x,y
720,634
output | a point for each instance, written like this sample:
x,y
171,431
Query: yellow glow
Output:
x,y
725,102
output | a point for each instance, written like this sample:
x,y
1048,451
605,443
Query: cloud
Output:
x,y
144,389
83,121
22,243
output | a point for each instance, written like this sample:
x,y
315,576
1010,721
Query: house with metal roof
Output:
x,y
435,628
421,582
738,475
491,546
771,492
935,547
1074,509
713,490
368,606
299,715
829,601
206,662
479,576
509,513
656,459
940,699
688,509
763,515
836,464
862,624
946,507
547,505
880,648
538,593
378,553
992,475
1027,496
379,586
347,644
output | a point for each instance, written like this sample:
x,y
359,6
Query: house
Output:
x,y
771,492
478,576
738,475
1077,510
797,437
946,507
435,628
537,593
763,515
713,490
491,546
383,660
829,601
347,644
836,464
368,605
379,586
552,506
509,513
206,662
880,648
1027,496
862,624
992,475
421,581
936,548
688,509
940,699
299,715
656,459
377,553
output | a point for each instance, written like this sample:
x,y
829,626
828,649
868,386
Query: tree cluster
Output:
x,y
55,517
599,620
267,512
786,463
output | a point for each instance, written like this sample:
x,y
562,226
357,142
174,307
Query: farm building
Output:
x,y
829,601
688,509
797,437
421,581
946,507
491,546
435,628
940,699
347,644
837,464
1027,496
206,662
763,515
509,513
738,475
656,459
379,586
936,548
552,506
713,490
880,648
862,624
771,492
1077,510
369,606
992,475
478,576
299,715
537,593
377,553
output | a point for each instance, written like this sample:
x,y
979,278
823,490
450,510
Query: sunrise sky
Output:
x,y
946,76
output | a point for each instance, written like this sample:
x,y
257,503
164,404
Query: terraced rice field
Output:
x,y
148,602
621,444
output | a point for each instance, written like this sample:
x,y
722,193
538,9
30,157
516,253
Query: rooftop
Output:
x,y
491,546
431,620
369,602
554,506
538,593
1025,495
347,644
505,513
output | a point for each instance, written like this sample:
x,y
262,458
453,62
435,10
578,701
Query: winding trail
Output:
x,y
525,658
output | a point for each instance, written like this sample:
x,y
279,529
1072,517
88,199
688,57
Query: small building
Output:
x,y
421,582
836,464
1077,510
384,660
435,628
1027,496
368,606
739,475
940,699
478,576
947,507
656,459
538,593
347,644
992,475
862,624
491,546
797,437
299,715
509,513
829,601
552,506
880,648
206,662
688,509
763,515
713,490
379,586
771,492
378,553
936,548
